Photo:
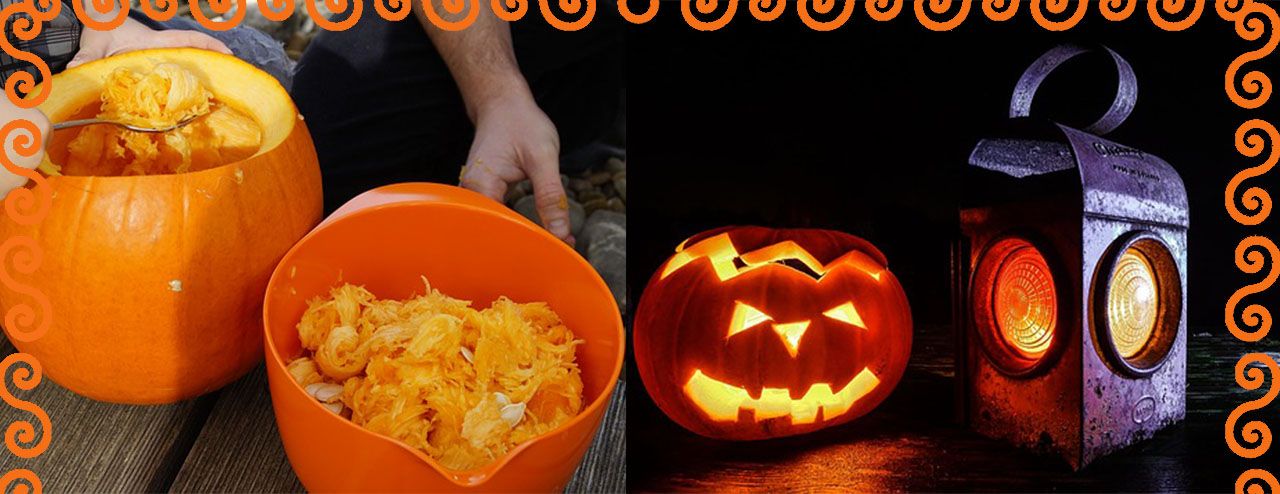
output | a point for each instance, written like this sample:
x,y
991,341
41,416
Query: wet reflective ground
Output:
x,y
913,443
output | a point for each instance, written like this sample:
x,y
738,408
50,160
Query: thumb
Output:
x,y
177,38
548,193
85,55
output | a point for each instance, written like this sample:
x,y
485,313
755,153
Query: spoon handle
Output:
x,y
77,123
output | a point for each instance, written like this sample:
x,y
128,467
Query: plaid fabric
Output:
x,y
56,43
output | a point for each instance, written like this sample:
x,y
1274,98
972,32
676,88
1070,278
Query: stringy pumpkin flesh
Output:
x,y
463,385
160,98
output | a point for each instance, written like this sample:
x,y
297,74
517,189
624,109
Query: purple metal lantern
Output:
x,y
1070,278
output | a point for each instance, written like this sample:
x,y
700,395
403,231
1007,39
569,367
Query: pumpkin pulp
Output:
x,y
160,97
155,282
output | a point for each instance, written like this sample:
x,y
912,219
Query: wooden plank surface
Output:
x,y
913,443
103,447
224,442
604,469
239,449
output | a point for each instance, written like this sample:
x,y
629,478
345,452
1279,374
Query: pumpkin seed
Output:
x,y
513,413
336,408
325,392
466,354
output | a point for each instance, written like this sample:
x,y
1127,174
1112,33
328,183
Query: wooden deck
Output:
x,y
222,442
912,443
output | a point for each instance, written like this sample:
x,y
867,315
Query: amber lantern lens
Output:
x,y
1026,304
1132,303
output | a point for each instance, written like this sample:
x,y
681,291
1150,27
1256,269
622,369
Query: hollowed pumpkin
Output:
x,y
156,281
753,333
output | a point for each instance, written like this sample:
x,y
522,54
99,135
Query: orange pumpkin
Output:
x,y
753,333
156,282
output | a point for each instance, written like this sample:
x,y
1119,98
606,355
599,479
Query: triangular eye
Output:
x,y
847,314
745,317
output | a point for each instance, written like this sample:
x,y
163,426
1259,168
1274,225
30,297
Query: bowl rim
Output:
x,y
462,478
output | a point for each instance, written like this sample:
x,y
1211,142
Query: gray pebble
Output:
x,y
590,195
599,178
513,194
529,209
604,243
620,184
595,204
579,185
615,165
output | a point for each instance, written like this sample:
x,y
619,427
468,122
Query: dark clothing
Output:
x,y
248,44
382,107
57,43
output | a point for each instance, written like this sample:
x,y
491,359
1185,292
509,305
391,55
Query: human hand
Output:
x,y
10,113
133,35
515,140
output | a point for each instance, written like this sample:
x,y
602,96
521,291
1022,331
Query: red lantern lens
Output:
x,y
1025,302
1015,306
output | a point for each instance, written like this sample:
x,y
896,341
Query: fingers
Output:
x,y
548,191
196,40
477,177
188,39
174,38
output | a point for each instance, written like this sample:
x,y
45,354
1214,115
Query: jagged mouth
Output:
x,y
722,401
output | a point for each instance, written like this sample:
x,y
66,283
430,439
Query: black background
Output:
x,y
865,130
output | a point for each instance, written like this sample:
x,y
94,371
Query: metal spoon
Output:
x,y
95,121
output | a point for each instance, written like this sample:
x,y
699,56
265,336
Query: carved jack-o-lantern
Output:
x,y
752,333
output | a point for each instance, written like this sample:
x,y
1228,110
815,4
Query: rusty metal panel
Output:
x,y
1120,410
1022,157
1122,182
1043,411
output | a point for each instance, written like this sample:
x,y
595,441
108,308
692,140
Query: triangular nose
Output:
x,y
791,333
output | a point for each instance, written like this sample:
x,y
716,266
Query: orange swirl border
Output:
x,y
1246,87
1248,203
29,320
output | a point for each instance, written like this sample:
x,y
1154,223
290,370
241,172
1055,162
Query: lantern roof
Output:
x,y
1115,180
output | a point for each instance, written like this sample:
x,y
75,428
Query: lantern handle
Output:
x,y
1121,107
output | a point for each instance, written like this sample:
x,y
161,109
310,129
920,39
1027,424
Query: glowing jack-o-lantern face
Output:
x,y
751,333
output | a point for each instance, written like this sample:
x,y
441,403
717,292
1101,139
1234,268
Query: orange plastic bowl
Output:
x,y
468,247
